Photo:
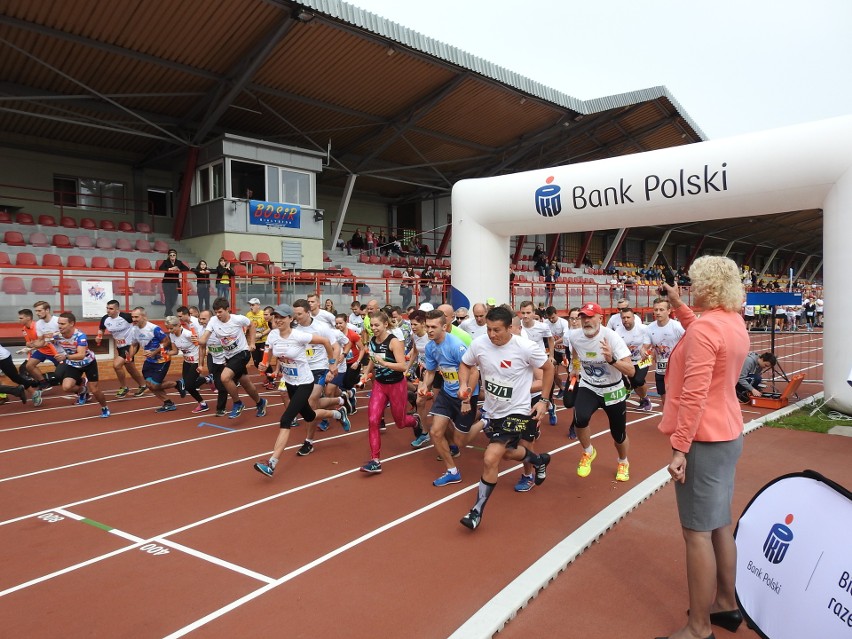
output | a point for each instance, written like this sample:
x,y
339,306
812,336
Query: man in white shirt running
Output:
x,y
604,359
319,313
476,325
615,319
237,346
635,335
506,363
664,333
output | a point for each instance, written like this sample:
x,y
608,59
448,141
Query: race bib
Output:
x,y
288,368
662,365
121,342
500,392
450,375
645,363
310,352
215,349
615,396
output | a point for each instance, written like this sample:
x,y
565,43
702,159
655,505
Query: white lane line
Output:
x,y
214,560
133,452
162,480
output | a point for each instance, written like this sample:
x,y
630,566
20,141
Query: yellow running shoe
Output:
x,y
585,465
623,472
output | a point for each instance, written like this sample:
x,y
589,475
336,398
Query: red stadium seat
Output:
x,y
14,286
5,218
4,259
119,287
76,261
229,255
61,241
51,260
246,256
387,273
364,258
88,223
263,258
46,220
275,270
143,287
125,227
239,269
24,218
68,222
39,239
123,244
107,225
346,272
325,257
25,259
84,242
144,246
103,243
375,259
397,273
42,286
14,238
69,286
121,263
258,269
143,264
161,246
100,262
141,227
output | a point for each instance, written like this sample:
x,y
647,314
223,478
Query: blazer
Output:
x,y
702,373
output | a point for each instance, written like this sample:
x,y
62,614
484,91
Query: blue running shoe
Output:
x,y
261,408
344,419
167,406
323,425
525,484
572,432
373,467
420,440
447,478
266,469
236,411
104,412
82,396
180,385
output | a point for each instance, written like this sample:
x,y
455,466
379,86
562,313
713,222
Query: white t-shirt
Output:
x,y
231,334
748,310
506,373
470,326
636,339
120,327
325,317
538,332
595,372
183,342
559,330
356,322
291,353
664,339
51,326
4,353
215,349
420,344
316,353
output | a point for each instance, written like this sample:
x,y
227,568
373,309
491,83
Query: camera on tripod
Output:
x,y
668,274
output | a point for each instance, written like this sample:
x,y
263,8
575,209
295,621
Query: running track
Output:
x,y
140,527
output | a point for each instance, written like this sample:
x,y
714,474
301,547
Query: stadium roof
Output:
x,y
141,82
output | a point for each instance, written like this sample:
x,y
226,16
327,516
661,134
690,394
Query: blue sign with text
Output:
x,y
275,214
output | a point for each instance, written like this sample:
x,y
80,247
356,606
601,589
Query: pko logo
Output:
x,y
548,201
778,541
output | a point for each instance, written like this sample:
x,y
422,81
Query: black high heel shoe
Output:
x,y
729,620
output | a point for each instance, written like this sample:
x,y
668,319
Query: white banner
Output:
x,y
96,294
794,559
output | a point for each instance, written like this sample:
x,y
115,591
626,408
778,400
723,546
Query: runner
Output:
x,y
183,341
155,345
664,333
42,349
636,337
237,346
604,358
120,326
319,313
261,330
506,362
213,363
286,349
387,363
76,361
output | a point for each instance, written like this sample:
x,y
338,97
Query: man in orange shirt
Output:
x,y
45,353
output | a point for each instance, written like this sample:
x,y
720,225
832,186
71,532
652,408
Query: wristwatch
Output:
x,y
612,363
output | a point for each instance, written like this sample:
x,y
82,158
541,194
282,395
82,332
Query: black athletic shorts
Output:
x,y
510,430
239,363
66,370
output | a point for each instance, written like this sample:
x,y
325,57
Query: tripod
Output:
x,y
777,369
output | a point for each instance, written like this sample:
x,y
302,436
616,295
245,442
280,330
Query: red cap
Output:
x,y
591,309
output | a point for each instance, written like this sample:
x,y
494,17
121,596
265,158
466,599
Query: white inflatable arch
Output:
x,y
794,168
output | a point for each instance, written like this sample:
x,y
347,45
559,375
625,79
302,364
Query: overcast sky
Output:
x,y
734,66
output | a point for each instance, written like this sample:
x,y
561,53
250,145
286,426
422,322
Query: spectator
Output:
x,y
751,375
427,275
371,241
224,278
171,279
202,283
329,306
406,288
540,260
550,284
356,241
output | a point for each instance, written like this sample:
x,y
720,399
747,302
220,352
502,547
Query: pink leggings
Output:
x,y
397,395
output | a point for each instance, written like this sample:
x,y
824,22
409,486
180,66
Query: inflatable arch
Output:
x,y
794,168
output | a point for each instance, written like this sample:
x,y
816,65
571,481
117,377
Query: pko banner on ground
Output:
x,y
275,214
794,559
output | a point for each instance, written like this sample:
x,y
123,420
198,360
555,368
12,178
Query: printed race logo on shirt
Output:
x,y
506,363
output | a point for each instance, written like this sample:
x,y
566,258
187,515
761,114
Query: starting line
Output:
x,y
215,426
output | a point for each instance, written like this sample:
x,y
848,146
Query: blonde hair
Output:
x,y
716,283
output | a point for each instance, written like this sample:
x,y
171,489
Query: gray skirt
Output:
x,y
704,499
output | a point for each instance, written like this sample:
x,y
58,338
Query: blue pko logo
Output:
x,y
778,541
548,199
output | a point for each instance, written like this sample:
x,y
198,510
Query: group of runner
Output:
x,y
497,373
